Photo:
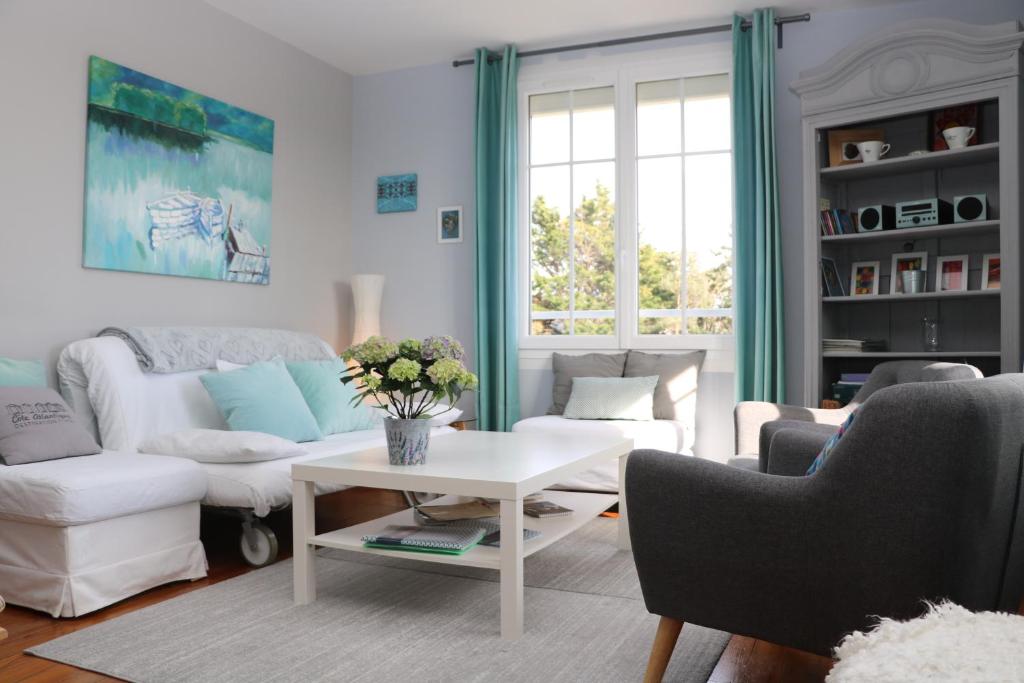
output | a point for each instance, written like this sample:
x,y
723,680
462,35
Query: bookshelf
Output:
x,y
900,82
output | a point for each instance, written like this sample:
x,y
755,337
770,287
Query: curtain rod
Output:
x,y
779,23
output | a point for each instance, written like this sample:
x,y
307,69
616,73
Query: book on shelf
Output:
x,y
449,540
836,222
545,508
854,377
853,345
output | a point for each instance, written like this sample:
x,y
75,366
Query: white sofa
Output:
x,y
674,433
102,381
664,435
78,534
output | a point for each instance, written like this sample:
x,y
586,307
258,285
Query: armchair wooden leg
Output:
x,y
661,650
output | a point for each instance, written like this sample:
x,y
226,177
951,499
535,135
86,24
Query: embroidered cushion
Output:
x,y
36,424
827,449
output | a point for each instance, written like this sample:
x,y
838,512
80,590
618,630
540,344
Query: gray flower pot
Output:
x,y
407,440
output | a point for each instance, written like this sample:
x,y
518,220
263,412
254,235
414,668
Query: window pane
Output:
x,y
657,118
549,128
706,113
549,250
593,124
708,243
660,241
594,247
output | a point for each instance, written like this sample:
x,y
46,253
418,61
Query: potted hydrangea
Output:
x,y
407,380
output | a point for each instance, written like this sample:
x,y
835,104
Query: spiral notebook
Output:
x,y
451,540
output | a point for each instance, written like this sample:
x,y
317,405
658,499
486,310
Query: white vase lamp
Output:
x,y
367,292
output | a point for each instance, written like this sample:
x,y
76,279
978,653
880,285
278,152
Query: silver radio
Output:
x,y
923,212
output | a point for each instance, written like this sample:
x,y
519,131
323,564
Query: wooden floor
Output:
x,y
745,660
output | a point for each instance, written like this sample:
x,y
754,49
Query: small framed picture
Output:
x,y
864,276
990,274
449,224
912,260
831,283
951,274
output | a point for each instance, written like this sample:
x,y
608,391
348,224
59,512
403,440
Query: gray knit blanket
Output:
x,y
179,349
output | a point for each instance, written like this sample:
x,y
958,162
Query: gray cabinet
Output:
x,y
907,83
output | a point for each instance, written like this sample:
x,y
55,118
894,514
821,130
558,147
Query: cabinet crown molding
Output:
x,y
911,58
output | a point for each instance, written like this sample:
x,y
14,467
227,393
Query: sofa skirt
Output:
x,y
74,570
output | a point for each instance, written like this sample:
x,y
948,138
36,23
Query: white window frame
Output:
x,y
623,73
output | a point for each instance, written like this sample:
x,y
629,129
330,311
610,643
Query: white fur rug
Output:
x,y
948,643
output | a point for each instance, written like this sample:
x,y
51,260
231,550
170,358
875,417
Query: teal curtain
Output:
x,y
760,353
497,340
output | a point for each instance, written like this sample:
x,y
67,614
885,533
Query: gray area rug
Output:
x,y
378,618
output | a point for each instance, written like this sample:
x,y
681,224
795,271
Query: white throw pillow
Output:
x,y
611,398
221,446
228,366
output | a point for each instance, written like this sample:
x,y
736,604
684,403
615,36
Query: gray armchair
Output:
x,y
918,501
751,415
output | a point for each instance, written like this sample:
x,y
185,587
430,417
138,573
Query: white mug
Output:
x,y
958,136
872,150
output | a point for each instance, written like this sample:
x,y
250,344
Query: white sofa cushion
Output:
x,y
663,435
264,486
91,488
219,446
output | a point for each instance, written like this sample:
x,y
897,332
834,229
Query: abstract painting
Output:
x,y
176,183
396,193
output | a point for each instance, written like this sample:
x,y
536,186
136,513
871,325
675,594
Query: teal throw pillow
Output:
x,y
832,442
262,398
329,399
611,398
22,373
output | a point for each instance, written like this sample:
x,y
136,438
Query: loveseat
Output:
x,y
675,403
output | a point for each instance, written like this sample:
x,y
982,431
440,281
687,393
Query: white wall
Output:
x,y
417,121
48,298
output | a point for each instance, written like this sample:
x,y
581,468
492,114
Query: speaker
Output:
x,y
970,207
877,217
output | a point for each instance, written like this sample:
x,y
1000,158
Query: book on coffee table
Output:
x,y
474,509
545,508
452,540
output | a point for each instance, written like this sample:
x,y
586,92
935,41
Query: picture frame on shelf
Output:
x,y
864,277
910,260
832,284
842,144
991,271
951,273
449,224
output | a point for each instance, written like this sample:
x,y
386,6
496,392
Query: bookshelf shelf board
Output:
x,y
910,354
909,234
976,154
895,298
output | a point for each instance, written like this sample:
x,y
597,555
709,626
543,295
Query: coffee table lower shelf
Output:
x,y
585,507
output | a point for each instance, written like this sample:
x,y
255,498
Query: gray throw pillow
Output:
x,y
567,367
36,424
675,397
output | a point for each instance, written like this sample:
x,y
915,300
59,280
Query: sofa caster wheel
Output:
x,y
258,544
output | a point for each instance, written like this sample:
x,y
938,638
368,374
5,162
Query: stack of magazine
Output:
x,y
449,539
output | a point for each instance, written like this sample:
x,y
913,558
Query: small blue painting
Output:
x,y
396,193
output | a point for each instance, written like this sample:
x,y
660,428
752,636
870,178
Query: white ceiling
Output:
x,y
368,36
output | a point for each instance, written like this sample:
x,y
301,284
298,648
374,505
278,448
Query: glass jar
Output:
x,y
930,333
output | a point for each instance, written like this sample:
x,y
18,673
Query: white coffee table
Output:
x,y
506,466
